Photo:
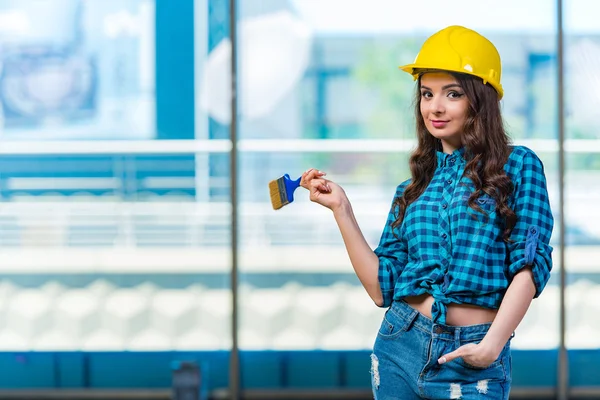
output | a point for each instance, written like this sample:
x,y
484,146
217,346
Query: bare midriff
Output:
x,y
457,314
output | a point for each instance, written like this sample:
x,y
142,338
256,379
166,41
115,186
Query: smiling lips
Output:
x,y
439,123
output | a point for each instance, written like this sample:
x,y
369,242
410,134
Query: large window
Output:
x,y
582,80
335,100
108,244
112,240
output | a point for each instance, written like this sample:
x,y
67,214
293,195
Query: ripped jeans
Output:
x,y
404,361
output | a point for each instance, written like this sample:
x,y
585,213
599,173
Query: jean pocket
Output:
x,y
392,325
496,364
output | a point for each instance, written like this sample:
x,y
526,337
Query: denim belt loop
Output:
x,y
457,336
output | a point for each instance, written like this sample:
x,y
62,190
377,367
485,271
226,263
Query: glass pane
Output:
x,y
77,69
582,81
111,252
109,245
336,77
213,200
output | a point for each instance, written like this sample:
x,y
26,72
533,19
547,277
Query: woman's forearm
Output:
x,y
364,261
515,304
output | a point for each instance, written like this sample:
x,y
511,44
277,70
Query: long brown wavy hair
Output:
x,y
486,146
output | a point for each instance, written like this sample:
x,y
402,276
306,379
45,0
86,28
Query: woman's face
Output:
x,y
444,108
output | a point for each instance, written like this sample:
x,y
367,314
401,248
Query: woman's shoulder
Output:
x,y
400,188
521,157
520,152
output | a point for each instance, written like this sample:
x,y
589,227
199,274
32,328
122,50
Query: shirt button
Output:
x,y
444,206
449,181
452,161
444,236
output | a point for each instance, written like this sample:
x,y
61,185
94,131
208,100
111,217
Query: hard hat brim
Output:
x,y
410,68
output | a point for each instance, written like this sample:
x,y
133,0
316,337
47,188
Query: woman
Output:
x,y
466,245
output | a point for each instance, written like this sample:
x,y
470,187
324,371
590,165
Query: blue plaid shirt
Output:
x,y
440,249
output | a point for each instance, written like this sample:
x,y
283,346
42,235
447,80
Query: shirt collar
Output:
x,y
455,158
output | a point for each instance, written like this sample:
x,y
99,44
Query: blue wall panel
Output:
x,y
585,367
71,370
27,370
317,369
260,369
534,367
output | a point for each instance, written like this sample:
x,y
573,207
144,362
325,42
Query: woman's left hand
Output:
x,y
477,355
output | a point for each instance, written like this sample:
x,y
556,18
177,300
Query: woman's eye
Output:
x,y
454,95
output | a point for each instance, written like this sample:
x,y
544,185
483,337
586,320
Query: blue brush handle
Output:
x,y
290,186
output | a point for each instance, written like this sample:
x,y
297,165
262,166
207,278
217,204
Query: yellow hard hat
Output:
x,y
459,49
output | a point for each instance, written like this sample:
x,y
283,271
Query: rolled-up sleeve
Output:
x,y
530,238
392,253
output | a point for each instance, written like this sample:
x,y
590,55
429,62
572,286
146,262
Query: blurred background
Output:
x,y
120,274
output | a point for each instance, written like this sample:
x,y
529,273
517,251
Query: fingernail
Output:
x,y
442,360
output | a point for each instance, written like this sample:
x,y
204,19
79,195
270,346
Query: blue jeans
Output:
x,y
404,361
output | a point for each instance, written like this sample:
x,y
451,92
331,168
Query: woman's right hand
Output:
x,y
323,191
